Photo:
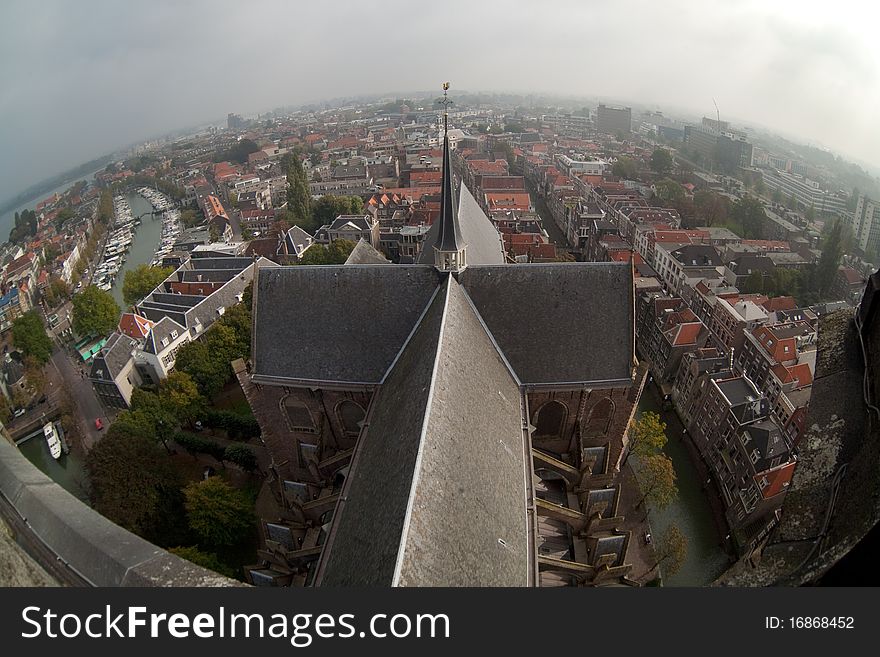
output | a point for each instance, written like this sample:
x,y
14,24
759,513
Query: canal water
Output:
x,y
68,471
143,244
691,512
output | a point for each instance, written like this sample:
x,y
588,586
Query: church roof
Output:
x,y
449,410
558,323
555,323
341,323
363,253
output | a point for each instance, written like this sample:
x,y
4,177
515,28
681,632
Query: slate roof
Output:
x,y
364,254
558,323
449,415
335,323
161,330
114,355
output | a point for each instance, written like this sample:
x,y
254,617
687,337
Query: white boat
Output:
x,y
52,440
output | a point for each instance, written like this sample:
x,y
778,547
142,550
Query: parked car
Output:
x,y
19,412
98,424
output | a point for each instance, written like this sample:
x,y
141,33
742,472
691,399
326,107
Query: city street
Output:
x,y
87,406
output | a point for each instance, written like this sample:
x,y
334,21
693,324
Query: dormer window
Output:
x,y
173,335
165,341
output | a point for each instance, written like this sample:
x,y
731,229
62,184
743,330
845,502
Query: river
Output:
x,y
144,242
7,219
691,512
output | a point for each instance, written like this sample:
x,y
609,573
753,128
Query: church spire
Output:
x,y
449,249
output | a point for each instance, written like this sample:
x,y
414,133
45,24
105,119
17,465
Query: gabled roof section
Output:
x,y
365,539
436,490
340,324
558,323
363,253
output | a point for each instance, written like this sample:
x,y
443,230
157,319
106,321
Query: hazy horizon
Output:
x,y
85,79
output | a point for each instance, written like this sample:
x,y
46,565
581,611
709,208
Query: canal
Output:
x,y
68,471
143,243
691,511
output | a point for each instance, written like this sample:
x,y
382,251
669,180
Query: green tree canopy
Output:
x,y
30,338
134,484
328,207
334,254
299,198
625,167
142,280
94,312
179,394
669,191
219,514
712,207
661,161
749,213
832,250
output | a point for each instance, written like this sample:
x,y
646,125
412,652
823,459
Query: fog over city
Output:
x,y
81,79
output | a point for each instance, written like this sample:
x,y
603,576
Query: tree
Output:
x,y
5,411
792,203
669,191
59,289
208,372
647,435
142,280
219,514
135,485
94,312
335,254
34,375
826,269
777,195
760,188
749,213
298,196
811,213
657,480
207,560
712,207
30,338
241,455
328,207
179,394
625,167
671,550
754,283
661,161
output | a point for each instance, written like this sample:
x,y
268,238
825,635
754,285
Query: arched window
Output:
x,y
298,416
550,419
350,416
600,418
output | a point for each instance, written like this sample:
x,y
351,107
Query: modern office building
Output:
x,y
611,120
865,224
805,191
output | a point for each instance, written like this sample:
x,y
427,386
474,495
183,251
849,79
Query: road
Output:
x,y
87,406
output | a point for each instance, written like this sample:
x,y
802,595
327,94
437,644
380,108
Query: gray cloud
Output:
x,y
82,78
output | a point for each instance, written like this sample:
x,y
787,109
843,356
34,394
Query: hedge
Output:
x,y
236,426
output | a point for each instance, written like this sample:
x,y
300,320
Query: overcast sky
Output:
x,y
79,79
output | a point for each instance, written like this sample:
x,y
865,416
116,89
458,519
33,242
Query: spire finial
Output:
x,y
445,102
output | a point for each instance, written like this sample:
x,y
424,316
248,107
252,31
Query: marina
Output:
x,y
136,236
